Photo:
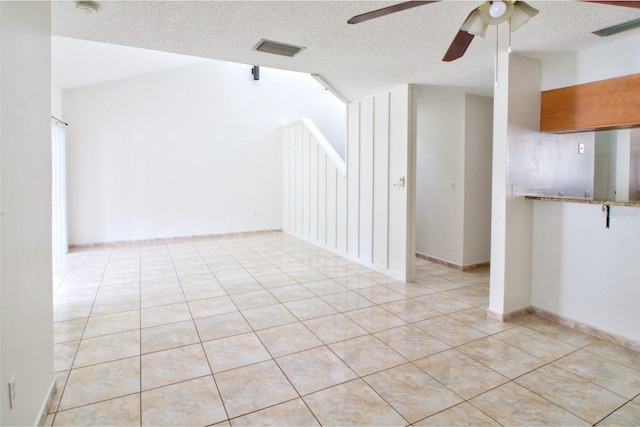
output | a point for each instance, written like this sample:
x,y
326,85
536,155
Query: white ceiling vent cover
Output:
x,y
277,48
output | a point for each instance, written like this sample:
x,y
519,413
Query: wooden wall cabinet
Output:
x,y
601,105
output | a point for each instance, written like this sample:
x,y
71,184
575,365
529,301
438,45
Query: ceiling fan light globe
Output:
x,y
475,24
488,18
521,14
497,9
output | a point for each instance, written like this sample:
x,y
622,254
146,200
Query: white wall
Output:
x,y
453,200
377,213
580,270
477,180
615,59
516,119
189,151
26,343
584,271
440,166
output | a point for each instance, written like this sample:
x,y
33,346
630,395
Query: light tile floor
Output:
x,y
268,330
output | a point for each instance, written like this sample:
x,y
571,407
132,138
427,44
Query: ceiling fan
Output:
x,y
490,12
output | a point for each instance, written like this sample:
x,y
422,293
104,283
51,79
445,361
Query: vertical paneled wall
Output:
x,y
314,191
367,213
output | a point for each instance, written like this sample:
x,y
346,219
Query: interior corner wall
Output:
x,y
26,307
477,179
189,151
453,201
440,183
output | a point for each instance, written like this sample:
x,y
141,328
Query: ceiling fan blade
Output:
x,y
387,10
634,4
458,46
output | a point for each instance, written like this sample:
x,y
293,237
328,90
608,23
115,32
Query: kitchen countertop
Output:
x,y
634,204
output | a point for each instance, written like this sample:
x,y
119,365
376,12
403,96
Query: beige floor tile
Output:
x,y
211,307
68,330
413,393
443,303
226,276
107,348
78,310
628,415
63,355
223,325
254,299
375,319
268,317
536,343
410,310
473,295
356,281
164,337
276,280
466,277
193,293
352,404
193,402
450,330
511,404
291,293
314,369
262,270
116,291
616,353
122,411
581,397
325,287
287,339
367,354
334,328
293,413
310,308
159,285
477,318
173,366
101,382
236,351
411,290
306,276
562,333
346,301
199,280
104,306
155,299
74,295
253,387
112,323
380,294
461,415
461,373
437,284
411,342
164,315
604,372
501,357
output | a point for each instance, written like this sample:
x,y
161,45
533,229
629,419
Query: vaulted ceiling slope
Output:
x,y
356,60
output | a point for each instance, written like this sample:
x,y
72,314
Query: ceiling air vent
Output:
x,y
277,48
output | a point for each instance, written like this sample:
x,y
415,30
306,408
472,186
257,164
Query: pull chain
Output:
x,y
495,76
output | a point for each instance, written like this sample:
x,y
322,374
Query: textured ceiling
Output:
x,y
357,60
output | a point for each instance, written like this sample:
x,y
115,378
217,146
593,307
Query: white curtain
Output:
x,y
59,192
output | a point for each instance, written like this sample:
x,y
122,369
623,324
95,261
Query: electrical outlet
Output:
x,y
12,392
